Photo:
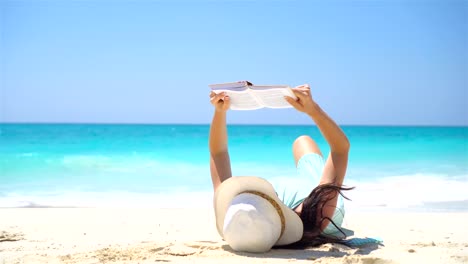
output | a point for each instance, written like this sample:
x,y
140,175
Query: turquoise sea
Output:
x,y
414,168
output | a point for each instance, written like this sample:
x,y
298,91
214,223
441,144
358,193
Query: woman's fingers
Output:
x,y
217,97
302,94
305,89
214,99
293,102
227,101
302,89
303,86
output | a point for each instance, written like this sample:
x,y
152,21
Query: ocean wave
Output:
x,y
113,199
27,154
403,191
407,192
394,192
87,161
134,168
139,178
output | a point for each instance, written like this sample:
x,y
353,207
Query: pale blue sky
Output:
x,y
368,62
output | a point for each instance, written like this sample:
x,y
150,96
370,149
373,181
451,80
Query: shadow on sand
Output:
x,y
330,250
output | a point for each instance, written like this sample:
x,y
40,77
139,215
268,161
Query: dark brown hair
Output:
x,y
312,216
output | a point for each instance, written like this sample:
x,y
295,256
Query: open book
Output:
x,y
245,96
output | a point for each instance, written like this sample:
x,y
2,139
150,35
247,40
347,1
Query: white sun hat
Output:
x,y
250,216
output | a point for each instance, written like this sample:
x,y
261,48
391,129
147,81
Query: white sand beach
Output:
x,y
98,235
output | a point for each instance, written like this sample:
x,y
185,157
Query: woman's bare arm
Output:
x,y
337,162
220,165
335,166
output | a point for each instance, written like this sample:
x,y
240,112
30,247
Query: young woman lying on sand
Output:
x,y
250,216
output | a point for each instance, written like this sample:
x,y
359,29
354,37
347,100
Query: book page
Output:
x,y
273,96
241,100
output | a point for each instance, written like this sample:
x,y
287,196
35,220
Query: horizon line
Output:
x,y
236,124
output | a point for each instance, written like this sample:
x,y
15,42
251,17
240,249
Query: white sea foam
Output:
x,y
176,199
395,192
407,192
148,182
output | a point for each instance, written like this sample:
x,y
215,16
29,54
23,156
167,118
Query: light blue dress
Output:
x,y
311,166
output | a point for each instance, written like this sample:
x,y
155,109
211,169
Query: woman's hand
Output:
x,y
304,102
220,101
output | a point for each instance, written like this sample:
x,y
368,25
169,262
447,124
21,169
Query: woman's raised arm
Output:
x,y
335,167
337,162
220,164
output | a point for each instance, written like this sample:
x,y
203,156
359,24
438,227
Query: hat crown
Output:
x,y
243,185
251,224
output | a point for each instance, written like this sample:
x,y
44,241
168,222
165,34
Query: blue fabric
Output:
x,y
359,242
311,166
